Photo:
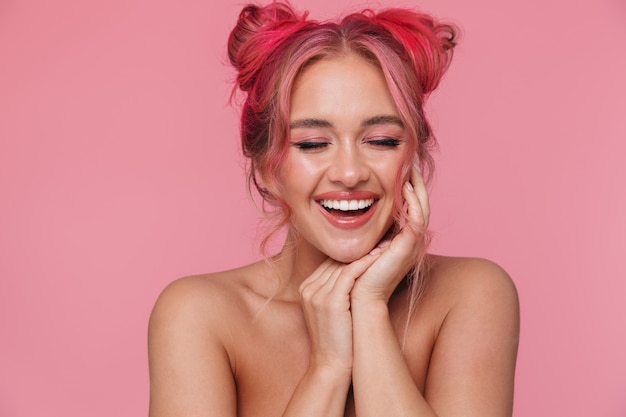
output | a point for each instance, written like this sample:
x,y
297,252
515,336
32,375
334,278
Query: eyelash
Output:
x,y
307,146
383,143
386,142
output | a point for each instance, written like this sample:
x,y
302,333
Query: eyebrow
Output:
x,y
304,123
383,119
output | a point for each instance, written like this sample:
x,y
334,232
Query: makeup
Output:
x,y
347,209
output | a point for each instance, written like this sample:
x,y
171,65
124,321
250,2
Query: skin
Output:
x,y
290,337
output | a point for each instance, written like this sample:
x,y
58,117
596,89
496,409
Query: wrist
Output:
x,y
368,297
372,304
331,376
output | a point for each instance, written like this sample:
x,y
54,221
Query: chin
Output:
x,y
346,257
347,251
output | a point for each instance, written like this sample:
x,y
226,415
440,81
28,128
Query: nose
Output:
x,y
348,167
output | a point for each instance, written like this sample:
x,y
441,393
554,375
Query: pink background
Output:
x,y
119,171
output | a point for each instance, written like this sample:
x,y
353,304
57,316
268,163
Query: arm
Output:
x,y
321,392
190,365
190,372
383,384
190,369
326,305
472,366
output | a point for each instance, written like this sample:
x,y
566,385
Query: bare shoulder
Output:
x,y
197,295
473,360
211,292
207,303
471,279
190,344
186,313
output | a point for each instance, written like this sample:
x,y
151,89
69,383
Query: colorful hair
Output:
x,y
271,45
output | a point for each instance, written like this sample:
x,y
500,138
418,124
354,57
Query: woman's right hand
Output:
x,y
326,304
325,295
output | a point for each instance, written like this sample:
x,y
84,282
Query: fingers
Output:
x,y
416,196
333,277
380,248
319,277
351,272
422,194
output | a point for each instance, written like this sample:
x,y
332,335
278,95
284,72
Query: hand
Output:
x,y
398,255
326,305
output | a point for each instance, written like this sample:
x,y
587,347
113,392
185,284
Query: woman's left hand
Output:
x,y
398,255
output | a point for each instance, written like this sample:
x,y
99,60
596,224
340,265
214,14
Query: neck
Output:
x,y
294,263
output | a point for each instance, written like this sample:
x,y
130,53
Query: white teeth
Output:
x,y
347,205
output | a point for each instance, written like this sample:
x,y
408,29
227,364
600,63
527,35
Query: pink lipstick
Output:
x,y
347,209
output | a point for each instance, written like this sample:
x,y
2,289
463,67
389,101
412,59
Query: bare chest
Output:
x,y
272,355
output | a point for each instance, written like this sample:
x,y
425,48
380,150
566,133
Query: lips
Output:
x,y
347,205
347,209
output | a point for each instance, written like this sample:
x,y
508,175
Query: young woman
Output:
x,y
352,317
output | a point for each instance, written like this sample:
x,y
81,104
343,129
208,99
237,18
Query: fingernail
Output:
x,y
409,186
375,251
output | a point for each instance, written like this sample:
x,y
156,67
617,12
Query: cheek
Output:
x,y
389,171
304,171
297,179
393,175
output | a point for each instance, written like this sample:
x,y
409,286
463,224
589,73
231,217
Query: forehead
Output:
x,y
341,88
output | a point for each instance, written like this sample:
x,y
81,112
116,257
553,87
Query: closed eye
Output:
x,y
308,146
385,142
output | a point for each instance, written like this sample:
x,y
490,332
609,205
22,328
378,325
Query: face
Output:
x,y
346,147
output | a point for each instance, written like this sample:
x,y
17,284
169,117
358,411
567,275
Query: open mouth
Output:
x,y
347,208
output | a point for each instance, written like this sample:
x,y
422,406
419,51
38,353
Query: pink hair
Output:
x,y
271,45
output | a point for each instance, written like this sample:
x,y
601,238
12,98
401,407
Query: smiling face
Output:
x,y
346,148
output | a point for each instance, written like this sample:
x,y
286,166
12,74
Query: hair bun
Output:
x,y
258,31
428,43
